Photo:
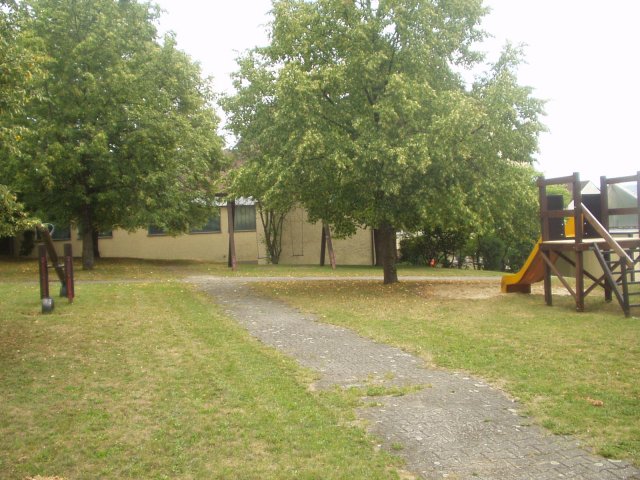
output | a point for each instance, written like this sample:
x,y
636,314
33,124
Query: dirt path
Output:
x,y
455,427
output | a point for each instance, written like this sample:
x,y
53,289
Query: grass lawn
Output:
x,y
575,373
15,270
152,381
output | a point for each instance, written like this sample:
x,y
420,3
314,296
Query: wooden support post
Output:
x,y
68,271
373,247
577,208
548,296
231,215
579,281
625,290
607,288
332,255
544,233
604,209
604,202
323,247
43,270
544,219
53,255
45,300
579,223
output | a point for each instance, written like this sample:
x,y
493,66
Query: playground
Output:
x,y
590,224
89,367
140,373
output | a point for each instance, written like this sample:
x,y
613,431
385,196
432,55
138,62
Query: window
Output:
x,y
245,218
212,225
61,233
155,230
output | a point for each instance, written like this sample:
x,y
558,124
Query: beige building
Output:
x,y
301,241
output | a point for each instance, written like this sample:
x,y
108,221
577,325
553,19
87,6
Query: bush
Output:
x,y
413,250
492,252
28,243
432,244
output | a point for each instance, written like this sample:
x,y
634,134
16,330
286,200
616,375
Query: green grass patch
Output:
x,y
576,373
152,381
14,270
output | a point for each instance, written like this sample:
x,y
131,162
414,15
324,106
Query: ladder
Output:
x,y
621,278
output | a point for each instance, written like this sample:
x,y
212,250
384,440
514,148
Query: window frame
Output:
x,y
245,228
155,231
216,217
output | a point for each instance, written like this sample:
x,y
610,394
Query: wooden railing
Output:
x,y
613,245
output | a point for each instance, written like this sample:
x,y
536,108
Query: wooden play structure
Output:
x,y
64,270
569,233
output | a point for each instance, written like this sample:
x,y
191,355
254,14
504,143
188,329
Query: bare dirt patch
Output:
x,y
457,290
474,290
44,478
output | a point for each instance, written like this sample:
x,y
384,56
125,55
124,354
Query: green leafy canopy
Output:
x,y
359,108
124,134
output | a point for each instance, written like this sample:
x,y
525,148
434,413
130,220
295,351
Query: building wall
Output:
x,y
196,246
300,244
210,246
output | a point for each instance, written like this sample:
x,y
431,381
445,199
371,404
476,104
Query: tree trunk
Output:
x,y
389,253
96,245
231,214
272,222
87,239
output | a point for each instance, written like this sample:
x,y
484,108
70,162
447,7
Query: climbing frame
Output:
x,y
617,257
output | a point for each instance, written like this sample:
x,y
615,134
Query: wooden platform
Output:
x,y
587,244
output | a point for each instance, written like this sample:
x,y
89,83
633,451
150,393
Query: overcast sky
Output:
x,y
582,57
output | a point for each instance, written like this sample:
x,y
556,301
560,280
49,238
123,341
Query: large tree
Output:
x,y
125,135
381,130
20,71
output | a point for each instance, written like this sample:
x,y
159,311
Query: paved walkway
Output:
x,y
456,427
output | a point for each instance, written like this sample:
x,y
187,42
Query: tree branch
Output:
x,y
326,96
347,128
